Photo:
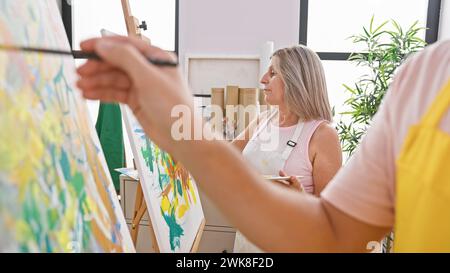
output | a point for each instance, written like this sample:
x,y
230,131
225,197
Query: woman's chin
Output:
x,y
270,101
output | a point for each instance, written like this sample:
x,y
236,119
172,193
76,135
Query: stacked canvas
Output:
x,y
241,106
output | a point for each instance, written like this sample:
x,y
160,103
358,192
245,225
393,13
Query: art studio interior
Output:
x,y
237,126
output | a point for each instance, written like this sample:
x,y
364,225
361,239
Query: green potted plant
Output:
x,y
385,50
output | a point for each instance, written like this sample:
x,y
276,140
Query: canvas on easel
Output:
x,y
56,194
167,192
170,193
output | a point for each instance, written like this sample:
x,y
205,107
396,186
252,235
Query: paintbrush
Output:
x,y
78,54
280,178
284,180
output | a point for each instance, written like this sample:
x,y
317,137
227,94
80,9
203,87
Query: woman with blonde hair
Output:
x,y
295,137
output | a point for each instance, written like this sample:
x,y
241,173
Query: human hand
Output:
x,y
125,76
292,182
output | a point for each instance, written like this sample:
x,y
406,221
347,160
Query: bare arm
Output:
x,y
295,222
281,219
326,156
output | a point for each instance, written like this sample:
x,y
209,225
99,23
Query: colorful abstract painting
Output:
x,y
56,194
170,192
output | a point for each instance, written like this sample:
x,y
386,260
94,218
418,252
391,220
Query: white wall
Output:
x,y
236,27
444,26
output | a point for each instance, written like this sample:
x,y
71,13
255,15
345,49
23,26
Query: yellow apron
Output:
x,y
422,218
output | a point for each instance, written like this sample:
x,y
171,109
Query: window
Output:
x,y
325,26
331,22
336,74
84,19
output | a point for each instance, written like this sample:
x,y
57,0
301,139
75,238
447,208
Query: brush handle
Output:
x,y
281,177
93,56
78,54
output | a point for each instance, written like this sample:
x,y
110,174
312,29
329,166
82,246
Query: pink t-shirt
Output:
x,y
365,187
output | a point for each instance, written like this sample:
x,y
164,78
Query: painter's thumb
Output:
x,y
121,55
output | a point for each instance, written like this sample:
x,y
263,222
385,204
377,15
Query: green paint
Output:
x,y
78,184
179,187
24,249
65,165
53,218
147,154
164,180
62,200
86,227
32,216
48,244
176,231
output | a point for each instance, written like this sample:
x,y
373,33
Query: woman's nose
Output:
x,y
264,79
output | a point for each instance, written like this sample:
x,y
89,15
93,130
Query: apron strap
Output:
x,y
264,125
438,108
290,145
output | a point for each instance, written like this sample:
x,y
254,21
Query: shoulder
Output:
x,y
434,54
430,64
325,138
324,132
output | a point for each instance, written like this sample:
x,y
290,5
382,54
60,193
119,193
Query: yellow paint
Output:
x,y
191,189
63,236
51,128
23,232
182,210
186,199
91,205
165,204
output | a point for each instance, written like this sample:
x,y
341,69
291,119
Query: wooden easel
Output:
x,y
132,23
140,207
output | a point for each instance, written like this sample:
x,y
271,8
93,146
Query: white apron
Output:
x,y
267,162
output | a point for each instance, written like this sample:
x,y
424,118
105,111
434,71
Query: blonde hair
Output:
x,y
304,83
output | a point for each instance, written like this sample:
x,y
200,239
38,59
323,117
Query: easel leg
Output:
x,y
153,235
140,208
198,238
139,205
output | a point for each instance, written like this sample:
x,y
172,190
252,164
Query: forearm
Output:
x,y
276,219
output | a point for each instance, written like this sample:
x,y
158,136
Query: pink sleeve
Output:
x,y
363,188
